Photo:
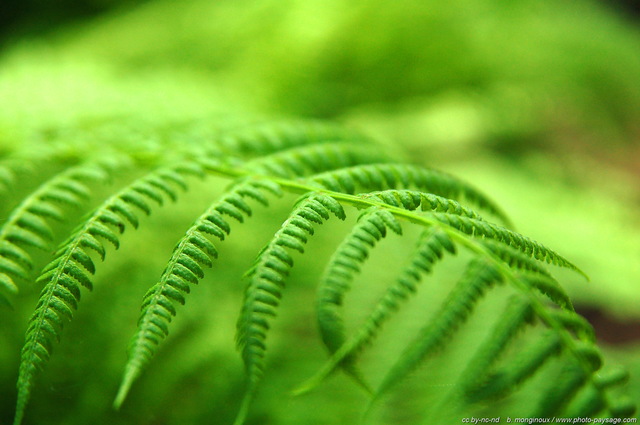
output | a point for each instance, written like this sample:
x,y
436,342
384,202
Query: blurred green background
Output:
x,y
536,102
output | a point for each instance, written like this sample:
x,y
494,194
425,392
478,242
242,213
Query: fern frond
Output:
x,y
587,404
267,280
517,314
192,252
593,399
413,200
478,277
557,394
548,286
515,318
512,374
475,227
454,215
571,322
29,224
567,333
73,266
379,177
514,258
330,168
430,248
531,272
345,263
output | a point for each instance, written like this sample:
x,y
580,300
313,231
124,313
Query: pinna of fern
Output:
x,y
334,172
29,223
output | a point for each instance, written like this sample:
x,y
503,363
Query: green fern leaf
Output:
x,y
548,286
592,401
330,167
511,375
379,177
467,221
622,408
9,267
532,273
456,309
193,250
267,280
559,392
611,378
15,253
135,200
565,326
412,200
47,210
475,227
571,322
429,249
122,208
29,224
517,314
344,265
514,258
71,267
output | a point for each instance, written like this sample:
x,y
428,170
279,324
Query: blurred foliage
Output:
x,y
537,102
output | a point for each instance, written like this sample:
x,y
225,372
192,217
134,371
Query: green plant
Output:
x,y
335,173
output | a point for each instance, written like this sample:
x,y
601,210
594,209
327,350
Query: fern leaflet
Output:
x,y
184,268
73,266
479,277
429,249
267,280
346,262
29,223
378,177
